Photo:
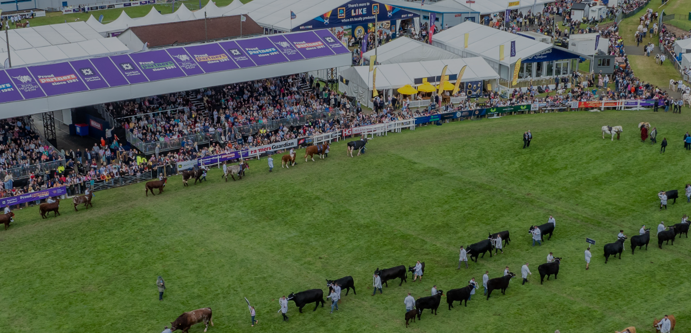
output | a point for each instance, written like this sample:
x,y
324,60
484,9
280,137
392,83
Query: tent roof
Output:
x,y
683,43
485,41
404,49
232,9
447,6
276,13
393,76
211,10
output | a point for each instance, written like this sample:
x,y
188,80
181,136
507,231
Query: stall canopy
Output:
x,y
485,7
64,85
404,49
393,76
682,46
57,42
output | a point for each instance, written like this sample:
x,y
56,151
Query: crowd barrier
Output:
x,y
33,196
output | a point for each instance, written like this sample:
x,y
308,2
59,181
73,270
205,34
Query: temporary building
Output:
x,y
404,49
538,60
393,76
686,61
682,46
50,43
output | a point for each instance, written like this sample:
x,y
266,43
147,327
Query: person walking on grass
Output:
x,y
271,163
434,290
688,193
642,230
409,302
334,300
377,284
687,142
530,138
663,199
253,314
506,271
161,287
166,330
588,255
463,258
498,245
474,284
661,227
653,136
663,145
550,257
418,271
537,236
525,271
283,302
525,139
485,278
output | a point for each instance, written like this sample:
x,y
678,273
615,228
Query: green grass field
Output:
x,y
413,196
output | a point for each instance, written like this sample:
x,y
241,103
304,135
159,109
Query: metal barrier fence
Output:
x,y
149,148
121,181
25,171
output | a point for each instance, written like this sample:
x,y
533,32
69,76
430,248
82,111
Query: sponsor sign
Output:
x,y
186,165
89,75
129,69
273,147
157,65
261,51
109,72
357,12
237,54
185,61
590,241
25,82
287,48
8,92
331,41
95,124
57,79
511,108
210,57
235,155
28,197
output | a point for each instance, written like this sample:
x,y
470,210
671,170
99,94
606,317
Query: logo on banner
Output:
x,y
375,9
325,17
261,52
283,44
23,78
126,66
389,10
309,46
347,132
331,40
157,66
212,59
54,80
182,57
235,52
86,71
95,124
341,12
7,87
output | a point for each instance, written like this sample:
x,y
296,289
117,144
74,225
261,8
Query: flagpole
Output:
x,y
241,19
291,22
376,42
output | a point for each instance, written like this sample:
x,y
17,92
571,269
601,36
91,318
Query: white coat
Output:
x,y
464,256
434,291
485,278
588,255
284,305
525,271
506,272
665,325
553,221
497,242
536,234
472,292
660,228
550,258
409,302
642,231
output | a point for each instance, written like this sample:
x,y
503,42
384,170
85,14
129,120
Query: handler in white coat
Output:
x,y
665,325
464,257
409,302
525,271
283,302
485,278
588,255
661,227
642,231
498,245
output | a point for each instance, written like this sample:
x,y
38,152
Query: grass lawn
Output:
x,y
646,69
417,195
110,15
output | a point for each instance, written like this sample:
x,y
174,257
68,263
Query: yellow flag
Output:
x,y
465,42
372,60
375,93
458,80
441,82
501,52
515,72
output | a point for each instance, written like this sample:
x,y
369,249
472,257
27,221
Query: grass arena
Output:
x,y
417,195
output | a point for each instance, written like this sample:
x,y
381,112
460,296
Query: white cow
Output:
x,y
611,131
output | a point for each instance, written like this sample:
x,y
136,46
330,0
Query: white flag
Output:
x,y
7,63
145,47
243,18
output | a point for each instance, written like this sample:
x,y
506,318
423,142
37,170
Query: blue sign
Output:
x,y
356,12
597,41
473,89
550,54
590,241
513,48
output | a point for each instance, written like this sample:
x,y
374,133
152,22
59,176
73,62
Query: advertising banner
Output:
x,y
642,102
157,65
33,196
474,113
331,41
235,155
185,61
261,51
186,165
273,147
237,54
211,57
8,91
356,12
89,75
309,44
109,72
57,79
473,89
129,69
590,104
510,108
25,83
285,47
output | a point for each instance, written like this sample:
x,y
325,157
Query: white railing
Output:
x,y
326,137
419,104
398,126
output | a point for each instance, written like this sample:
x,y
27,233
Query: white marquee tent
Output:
x,y
275,14
57,42
404,49
394,76
682,45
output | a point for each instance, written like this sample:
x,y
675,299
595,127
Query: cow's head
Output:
x,y
623,238
468,249
532,227
647,230
376,271
411,268
557,260
291,296
440,292
511,274
329,283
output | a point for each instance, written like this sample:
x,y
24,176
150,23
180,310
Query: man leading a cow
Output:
x,y
620,236
409,302
376,283
463,258
334,300
485,278
665,325
525,271
161,287
283,302
537,237
418,271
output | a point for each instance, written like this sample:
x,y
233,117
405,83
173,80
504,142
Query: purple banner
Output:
x,y
286,48
211,57
57,79
129,69
237,54
157,65
25,82
33,196
184,61
88,73
309,44
235,155
109,72
643,103
8,92
261,51
331,41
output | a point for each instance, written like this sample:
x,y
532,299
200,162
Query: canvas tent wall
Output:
x,y
404,49
682,46
393,76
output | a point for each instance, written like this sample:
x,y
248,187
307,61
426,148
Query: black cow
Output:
x,y
673,194
547,228
392,273
614,248
345,283
549,269
474,250
499,283
305,297
358,145
681,228
461,294
666,235
640,240
429,302
412,268
505,237
410,315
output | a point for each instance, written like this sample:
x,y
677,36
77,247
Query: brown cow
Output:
x,y
410,315
83,199
159,184
50,207
628,330
311,150
672,320
186,175
287,161
6,218
187,319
